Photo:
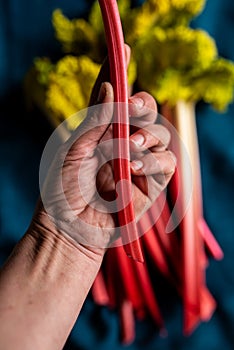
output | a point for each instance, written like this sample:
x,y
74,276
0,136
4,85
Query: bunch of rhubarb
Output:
x,y
125,283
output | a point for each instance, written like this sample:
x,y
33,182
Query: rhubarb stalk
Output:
x,y
122,174
178,256
198,303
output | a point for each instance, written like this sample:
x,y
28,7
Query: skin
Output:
x,y
45,281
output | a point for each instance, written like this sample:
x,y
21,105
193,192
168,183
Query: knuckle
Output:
x,y
172,161
159,132
163,134
148,99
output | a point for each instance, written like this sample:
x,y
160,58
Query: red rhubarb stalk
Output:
x,y
127,322
169,242
148,295
122,174
99,290
130,287
153,248
210,242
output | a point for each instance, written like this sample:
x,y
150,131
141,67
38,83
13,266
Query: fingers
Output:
x,y
84,140
142,109
149,148
154,163
155,137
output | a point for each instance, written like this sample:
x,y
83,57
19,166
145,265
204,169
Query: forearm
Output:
x,y
42,288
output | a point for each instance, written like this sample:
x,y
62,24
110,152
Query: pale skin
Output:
x,y
45,281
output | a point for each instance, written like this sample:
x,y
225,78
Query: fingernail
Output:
x,y
138,139
137,101
136,165
102,93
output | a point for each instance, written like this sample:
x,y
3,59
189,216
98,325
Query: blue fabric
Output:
x,y
26,32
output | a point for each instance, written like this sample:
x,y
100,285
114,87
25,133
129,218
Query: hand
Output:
x,y
79,194
49,273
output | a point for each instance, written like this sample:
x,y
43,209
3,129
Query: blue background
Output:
x,y
26,32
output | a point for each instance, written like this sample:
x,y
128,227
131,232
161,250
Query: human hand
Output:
x,y
80,194
54,265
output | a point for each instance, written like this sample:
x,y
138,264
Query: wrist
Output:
x,y
44,230
47,274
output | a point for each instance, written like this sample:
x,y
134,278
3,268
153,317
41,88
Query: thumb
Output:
x,y
85,138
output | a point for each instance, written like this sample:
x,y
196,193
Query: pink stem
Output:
x,y
127,322
127,278
148,295
209,240
122,174
99,291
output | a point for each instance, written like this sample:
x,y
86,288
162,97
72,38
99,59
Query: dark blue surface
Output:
x,y
26,32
